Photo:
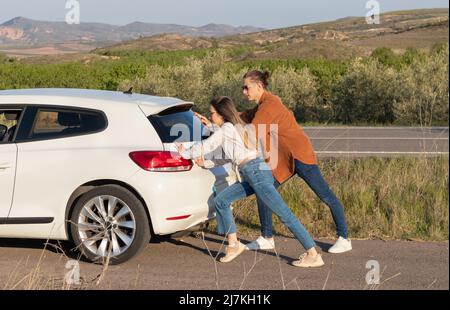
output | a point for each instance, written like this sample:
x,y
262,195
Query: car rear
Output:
x,y
178,193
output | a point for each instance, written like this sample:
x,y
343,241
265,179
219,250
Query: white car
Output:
x,y
96,167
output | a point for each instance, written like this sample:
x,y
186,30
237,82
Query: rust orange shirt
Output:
x,y
293,143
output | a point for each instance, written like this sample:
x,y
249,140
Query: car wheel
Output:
x,y
109,221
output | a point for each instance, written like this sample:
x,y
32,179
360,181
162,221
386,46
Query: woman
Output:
x,y
256,176
295,155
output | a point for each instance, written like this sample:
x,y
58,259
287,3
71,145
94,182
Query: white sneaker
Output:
x,y
261,244
342,245
305,261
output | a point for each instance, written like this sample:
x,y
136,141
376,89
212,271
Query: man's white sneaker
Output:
x,y
342,245
261,244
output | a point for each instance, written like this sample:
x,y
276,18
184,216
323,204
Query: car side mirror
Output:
x,y
3,130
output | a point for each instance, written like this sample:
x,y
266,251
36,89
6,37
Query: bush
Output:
x,y
298,91
385,56
415,93
198,81
367,93
425,91
228,82
411,55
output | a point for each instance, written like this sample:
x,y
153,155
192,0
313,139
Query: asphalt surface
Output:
x,y
186,264
379,141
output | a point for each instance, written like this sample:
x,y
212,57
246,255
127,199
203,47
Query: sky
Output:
x,y
259,13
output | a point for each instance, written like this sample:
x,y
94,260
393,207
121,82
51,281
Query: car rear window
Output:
x,y
58,123
178,124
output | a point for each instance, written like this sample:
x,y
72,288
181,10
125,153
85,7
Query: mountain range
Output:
x,y
24,31
343,38
339,39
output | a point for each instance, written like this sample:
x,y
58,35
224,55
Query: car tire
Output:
x,y
109,221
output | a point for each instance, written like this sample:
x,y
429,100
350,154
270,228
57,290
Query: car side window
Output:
x,y
8,124
59,123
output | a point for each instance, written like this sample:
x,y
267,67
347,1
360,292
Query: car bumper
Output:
x,y
176,201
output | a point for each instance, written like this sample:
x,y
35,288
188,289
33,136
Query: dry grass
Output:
x,y
397,198
39,278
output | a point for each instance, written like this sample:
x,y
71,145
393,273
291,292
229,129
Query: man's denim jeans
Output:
x,y
313,177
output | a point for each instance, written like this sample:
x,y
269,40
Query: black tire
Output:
x,y
140,233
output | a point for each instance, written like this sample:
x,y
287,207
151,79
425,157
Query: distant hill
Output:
x,y
24,31
342,38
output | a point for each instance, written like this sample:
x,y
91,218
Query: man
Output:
x,y
295,156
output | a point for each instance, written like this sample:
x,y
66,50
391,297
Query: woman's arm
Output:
x,y
205,121
202,147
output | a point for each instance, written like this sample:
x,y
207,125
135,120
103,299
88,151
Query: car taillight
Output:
x,y
161,161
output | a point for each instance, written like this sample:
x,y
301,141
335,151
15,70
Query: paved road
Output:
x,y
379,141
186,264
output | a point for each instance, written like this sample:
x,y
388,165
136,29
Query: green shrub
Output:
x,y
198,81
412,55
298,91
424,91
385,56
367,93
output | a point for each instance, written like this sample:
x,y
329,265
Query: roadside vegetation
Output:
x,y
397,198
385,88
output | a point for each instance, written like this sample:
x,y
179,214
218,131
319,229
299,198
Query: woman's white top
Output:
x,y
231,142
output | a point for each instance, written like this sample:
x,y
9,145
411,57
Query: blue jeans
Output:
x,y
313,177
257,179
